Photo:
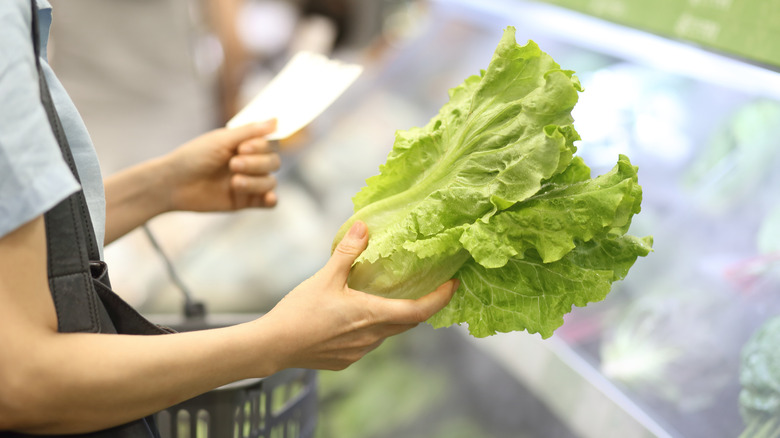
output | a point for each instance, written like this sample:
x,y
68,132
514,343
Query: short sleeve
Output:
x,y
33,175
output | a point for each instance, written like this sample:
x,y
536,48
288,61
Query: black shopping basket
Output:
x,y
283,405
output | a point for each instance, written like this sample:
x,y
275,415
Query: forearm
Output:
x,y
134,196
105,380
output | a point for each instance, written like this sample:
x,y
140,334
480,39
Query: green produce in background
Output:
x,y
490,192
642,349
759,399
739,160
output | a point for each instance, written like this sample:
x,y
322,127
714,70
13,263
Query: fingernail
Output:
x,y
358,230
267,124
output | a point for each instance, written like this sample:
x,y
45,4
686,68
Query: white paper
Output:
x,y
302,90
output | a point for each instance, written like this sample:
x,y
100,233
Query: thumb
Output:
x,y
251,130
345,253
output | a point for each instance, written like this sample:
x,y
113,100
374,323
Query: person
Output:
x,y
74,383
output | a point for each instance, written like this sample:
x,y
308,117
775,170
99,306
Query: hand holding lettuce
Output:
x,y
490,192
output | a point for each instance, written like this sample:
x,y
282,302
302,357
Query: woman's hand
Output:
x,y
225,169
323,324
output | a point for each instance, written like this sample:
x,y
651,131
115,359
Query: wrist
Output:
x,y
163,172
265,347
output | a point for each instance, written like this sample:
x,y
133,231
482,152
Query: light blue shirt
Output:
x,y
33,174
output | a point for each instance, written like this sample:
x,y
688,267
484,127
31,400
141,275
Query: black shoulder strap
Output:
x,y
72,246
70,238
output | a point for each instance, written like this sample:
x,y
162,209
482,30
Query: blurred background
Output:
x,y
689,89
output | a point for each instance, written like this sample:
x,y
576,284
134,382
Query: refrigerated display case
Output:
x,y
662,355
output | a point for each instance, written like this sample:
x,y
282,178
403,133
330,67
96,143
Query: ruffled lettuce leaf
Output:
x,y
490,192
529,294
552,221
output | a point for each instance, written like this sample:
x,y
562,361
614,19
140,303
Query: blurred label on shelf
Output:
x,y
747,29
302,90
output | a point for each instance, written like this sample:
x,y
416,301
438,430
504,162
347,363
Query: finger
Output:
x,y
345,253
373,346
346,357
396,329
256,146
266,200
436,300
358,353
419,310
248,131
269,199
252,185
240,200
255,164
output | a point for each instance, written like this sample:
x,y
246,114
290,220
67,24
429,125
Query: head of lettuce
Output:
x,y
490,192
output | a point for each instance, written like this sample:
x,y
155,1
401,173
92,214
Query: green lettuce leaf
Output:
x,y
551,221
489,191
528,294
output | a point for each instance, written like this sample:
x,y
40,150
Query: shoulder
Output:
x,y
33,175
15,28
15,10
16,16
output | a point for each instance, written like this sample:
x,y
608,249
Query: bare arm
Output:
x,y
73,379
74,383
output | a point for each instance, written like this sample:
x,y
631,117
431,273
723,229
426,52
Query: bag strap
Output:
x,y
70,238
73,252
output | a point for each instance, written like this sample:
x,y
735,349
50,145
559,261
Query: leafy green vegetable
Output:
x,y
489,191
759,399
